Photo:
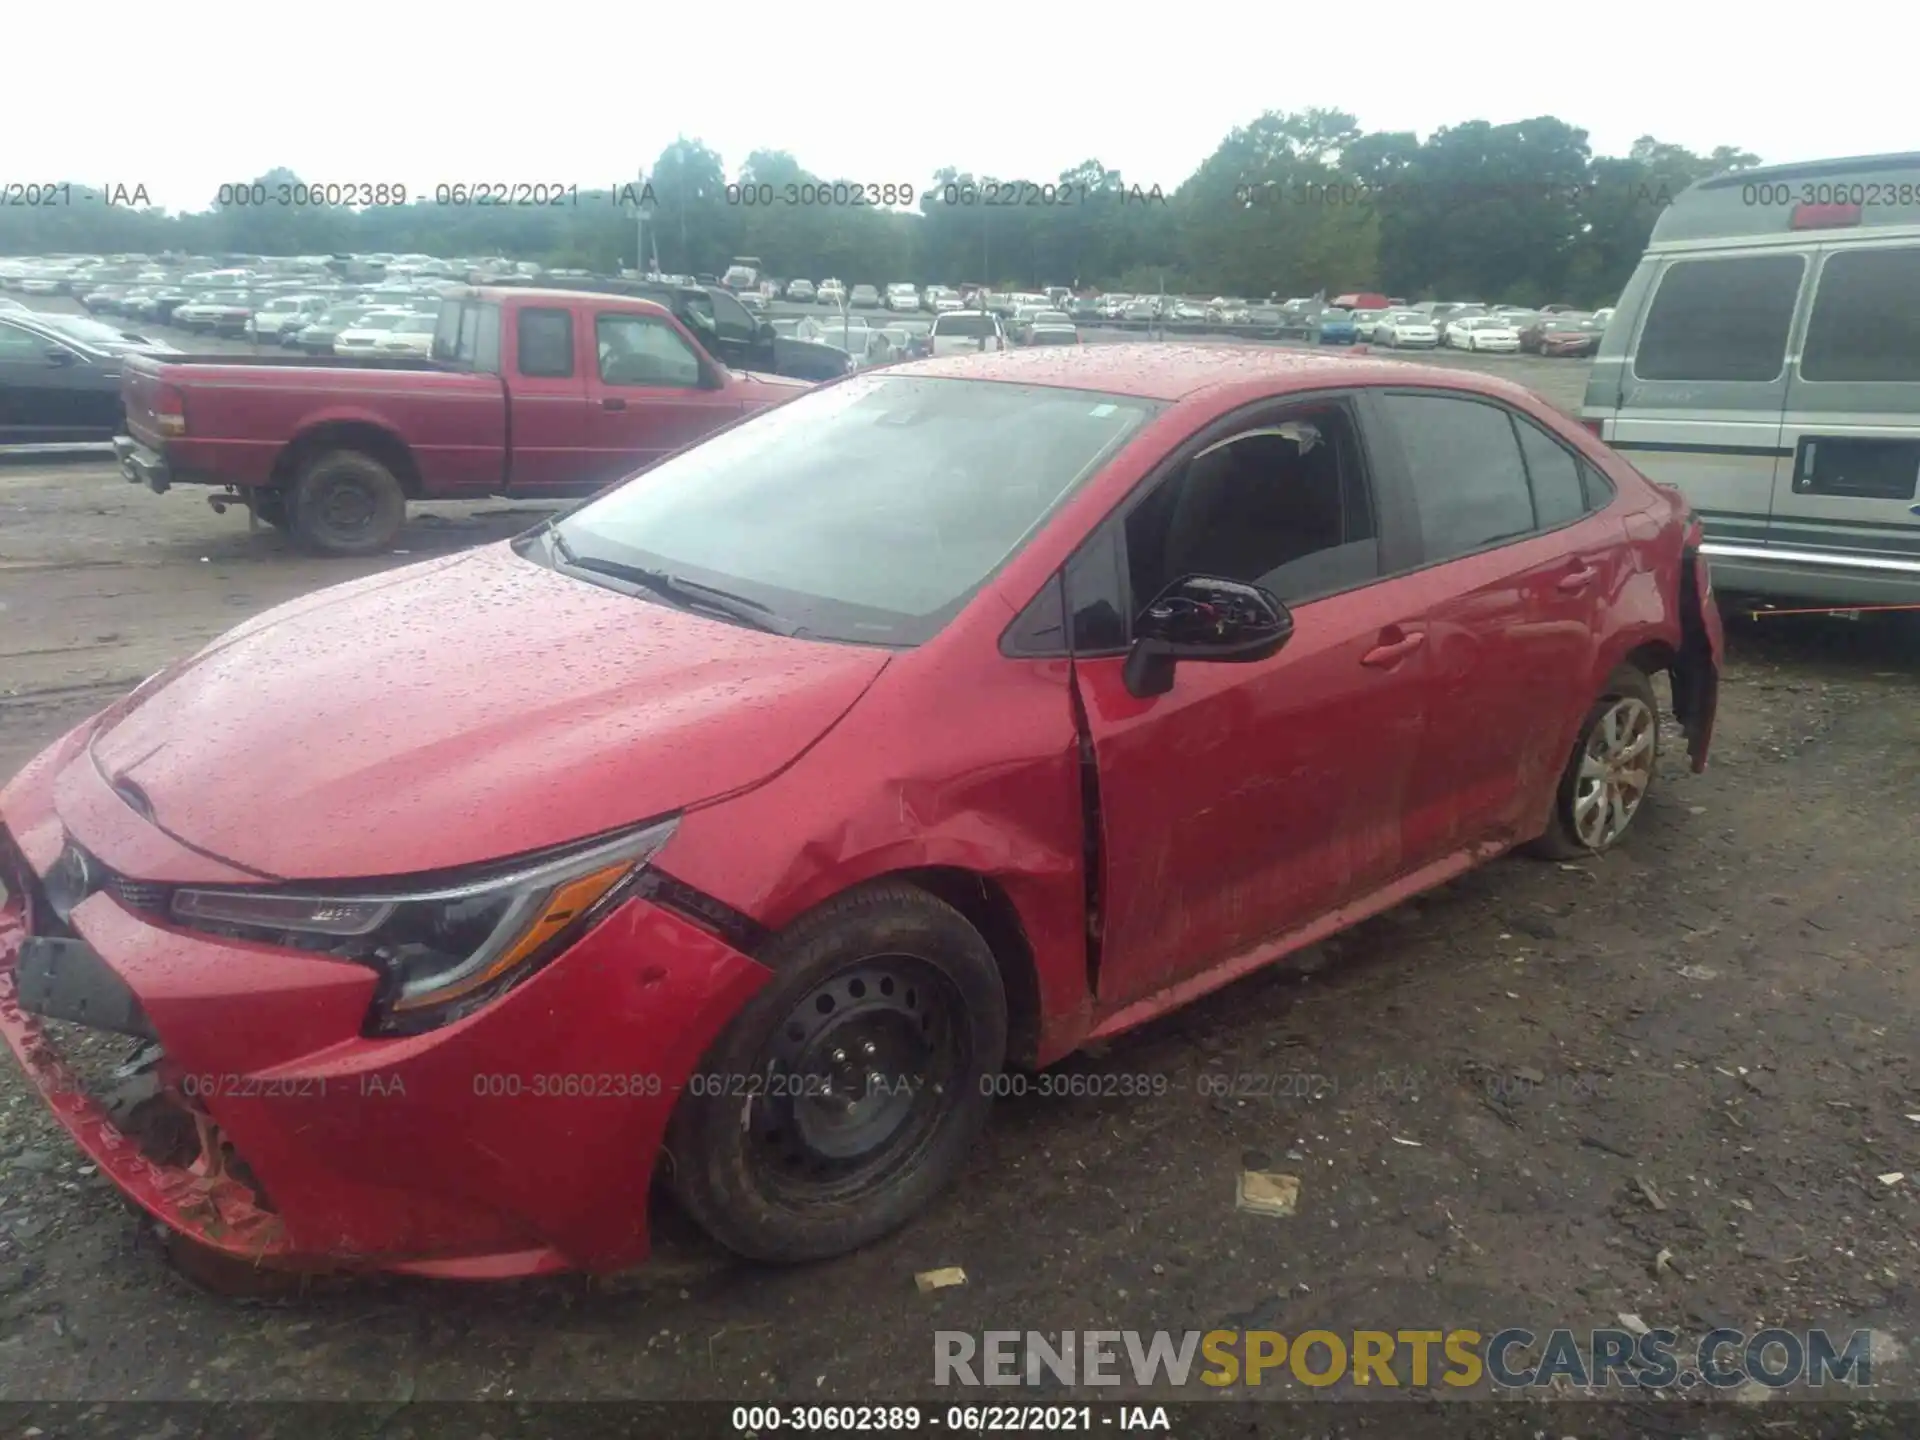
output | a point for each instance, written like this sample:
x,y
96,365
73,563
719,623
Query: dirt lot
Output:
x,y
1472,1088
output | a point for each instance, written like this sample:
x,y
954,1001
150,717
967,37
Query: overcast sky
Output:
x,y
184,96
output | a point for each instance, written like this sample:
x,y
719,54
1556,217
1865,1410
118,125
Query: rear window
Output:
x,y
972,326
1866,317
1720,319
546,343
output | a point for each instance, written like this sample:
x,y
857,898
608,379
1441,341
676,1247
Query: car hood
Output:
x,y
462,710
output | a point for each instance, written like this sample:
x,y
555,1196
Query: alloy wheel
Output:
x,y
1616,767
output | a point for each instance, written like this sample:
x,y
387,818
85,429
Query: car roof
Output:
x,y
1171,372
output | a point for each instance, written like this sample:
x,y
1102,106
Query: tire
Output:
x,y
1572,829
345,502
777,1182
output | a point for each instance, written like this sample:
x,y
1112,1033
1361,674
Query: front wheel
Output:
x,y
847,1092
1610,771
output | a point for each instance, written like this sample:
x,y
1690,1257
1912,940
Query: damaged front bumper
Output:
x,y
258,1121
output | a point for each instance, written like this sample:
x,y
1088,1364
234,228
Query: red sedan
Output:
x,y
759,813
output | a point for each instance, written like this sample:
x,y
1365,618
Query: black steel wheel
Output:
x,y
848,1091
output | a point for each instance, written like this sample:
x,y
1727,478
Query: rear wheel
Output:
x,y
1610,771
345,502
848,1091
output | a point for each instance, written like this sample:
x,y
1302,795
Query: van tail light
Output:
x,y
1593,428
169,411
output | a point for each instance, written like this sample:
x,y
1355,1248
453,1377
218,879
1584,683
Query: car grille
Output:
x,y
76,876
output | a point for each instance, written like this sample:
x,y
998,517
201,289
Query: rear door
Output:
x,y
547,401
1845,494
1704,385
1519,557
650,394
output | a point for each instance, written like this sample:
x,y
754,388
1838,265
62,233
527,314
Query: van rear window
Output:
x,y
972,326
1865,324
1723,318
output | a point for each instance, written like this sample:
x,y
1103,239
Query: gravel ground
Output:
x,y
1725,1011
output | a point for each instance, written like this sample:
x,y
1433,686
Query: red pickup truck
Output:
x,y
529,393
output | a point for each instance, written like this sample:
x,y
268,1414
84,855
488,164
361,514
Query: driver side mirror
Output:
x,y
1203,618
58,357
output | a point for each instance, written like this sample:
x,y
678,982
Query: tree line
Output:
x,y
1292,204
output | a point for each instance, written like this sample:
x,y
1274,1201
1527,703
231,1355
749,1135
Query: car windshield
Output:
x,y
378,322
869,511
1051,317
1335,317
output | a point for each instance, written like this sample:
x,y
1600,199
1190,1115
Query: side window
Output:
x,y
637,350
1723,319
1558,492
1866,317
1595,486
1469,483
731,318
1097,597
546,343
17,344
1282,504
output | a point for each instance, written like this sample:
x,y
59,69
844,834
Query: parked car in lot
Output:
x,y
333,452
864,297
1084,596
831,292
55,388
911,339
1406,330
1763,360
412,336
966,332
215,312
800,290
903,296
1335,327
1564,334
1483,332
367,334
1051,327
281,312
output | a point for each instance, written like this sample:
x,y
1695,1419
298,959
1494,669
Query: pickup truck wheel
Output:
x,y
1609,773
347,503
848,1090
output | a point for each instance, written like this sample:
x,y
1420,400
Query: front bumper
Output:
x,y
141,466
519,1140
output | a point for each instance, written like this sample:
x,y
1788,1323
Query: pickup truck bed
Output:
x,y
533,394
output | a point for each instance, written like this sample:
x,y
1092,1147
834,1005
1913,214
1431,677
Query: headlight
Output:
x,y
442,951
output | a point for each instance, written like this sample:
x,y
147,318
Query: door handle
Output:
x,y
1386,656
1578,580
612,402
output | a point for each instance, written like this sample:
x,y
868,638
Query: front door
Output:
x,y
1250,798
649,395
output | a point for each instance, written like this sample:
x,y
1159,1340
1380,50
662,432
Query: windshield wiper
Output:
x,y
681,591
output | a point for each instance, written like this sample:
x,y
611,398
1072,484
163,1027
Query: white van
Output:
x,y
1765,360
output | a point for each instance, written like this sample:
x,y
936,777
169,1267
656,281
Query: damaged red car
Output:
x,y
743,824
